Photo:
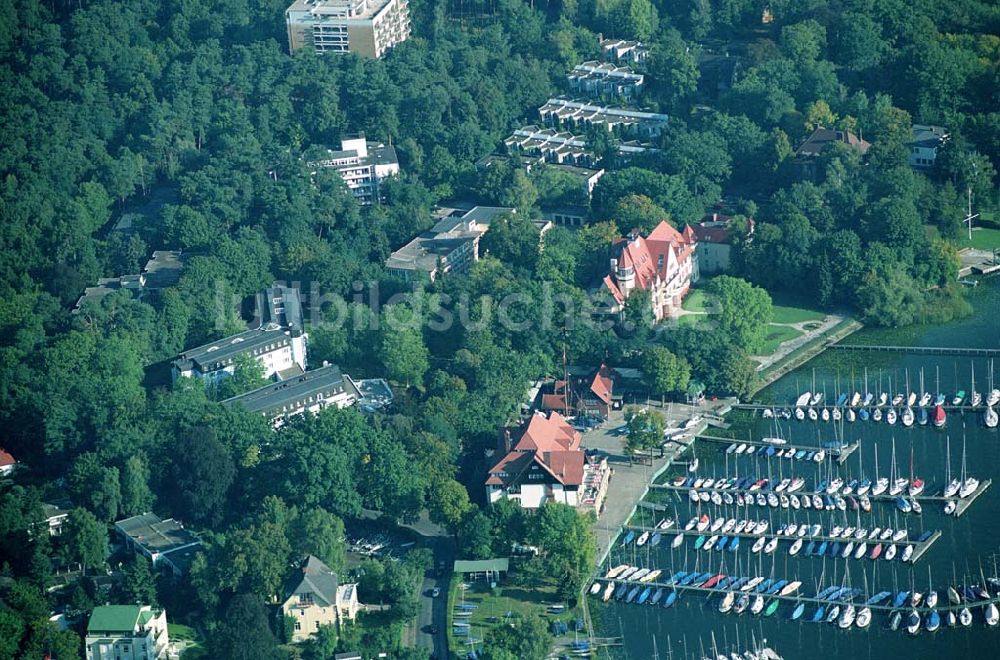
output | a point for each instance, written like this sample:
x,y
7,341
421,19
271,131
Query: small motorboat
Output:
x,y
797,612
772,607
958,398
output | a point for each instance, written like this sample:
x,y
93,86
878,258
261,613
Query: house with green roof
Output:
x,y
127,632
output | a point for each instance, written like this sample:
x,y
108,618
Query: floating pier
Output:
x,y
841,454
960,504
918,350
792,598
919,548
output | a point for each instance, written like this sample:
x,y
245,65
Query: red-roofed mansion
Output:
x,y
548,464
664,263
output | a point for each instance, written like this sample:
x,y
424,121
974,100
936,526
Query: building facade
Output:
x,y
362,165
314,598
624,51
572,114
664,263
279,344
925,140
605,80
821,138
550,145
451,245
126,632
714,236
547,464
165,543
312,391
366,27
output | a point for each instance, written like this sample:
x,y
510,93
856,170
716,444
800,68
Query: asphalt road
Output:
x,y
433,611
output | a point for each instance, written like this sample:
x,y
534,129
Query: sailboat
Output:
x,y
939,398
969,484
907,417
939,417
925,397
975,398
993,398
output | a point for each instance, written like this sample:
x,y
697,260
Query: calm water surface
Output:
x,y
968,545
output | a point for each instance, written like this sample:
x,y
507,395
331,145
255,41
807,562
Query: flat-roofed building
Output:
x,y
279,344
572,114
164,542
362,165
312,391
126,632
624,50
925,140
605,80
366,27
451,245
562,147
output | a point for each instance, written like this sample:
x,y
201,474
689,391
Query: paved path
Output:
x,y
827,324
630,479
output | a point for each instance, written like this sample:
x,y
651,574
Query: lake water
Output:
x,y
968,544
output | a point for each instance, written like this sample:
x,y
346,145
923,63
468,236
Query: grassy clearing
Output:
x,y
776,335
982,239
692,319
494,607
178,632
805,352
790,314
696,301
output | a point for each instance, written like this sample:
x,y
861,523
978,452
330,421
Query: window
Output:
x,y
317,625
298,625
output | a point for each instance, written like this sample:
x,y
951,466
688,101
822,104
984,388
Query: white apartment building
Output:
x,y
362,165
563,112
605,80
366,27
312,391
126,632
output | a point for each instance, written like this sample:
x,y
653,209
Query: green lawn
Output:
x,y
179,632
692,319
776,334
787,314
493,609
696,301
982,239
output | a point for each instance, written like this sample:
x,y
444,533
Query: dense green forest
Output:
x,y
193,117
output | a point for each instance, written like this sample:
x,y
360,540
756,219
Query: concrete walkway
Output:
x,y
630,479
785,348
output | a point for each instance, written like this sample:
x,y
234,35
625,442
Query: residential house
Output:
x,y
55,516
126,632
809,151
572,114
624,51
451,245
164,542
7,463
311,391
664,263
925,140
589,393
547,464
279,344
314,598
586,177
605,80
369,28
363,166
714,236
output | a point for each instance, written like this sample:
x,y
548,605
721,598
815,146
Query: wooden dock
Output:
x,y
758,407
841,454
920,350
919,548
886,606
961,505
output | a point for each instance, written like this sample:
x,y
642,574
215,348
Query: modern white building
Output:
x,y
624,50
925,140
572,114
362,165
279,344
562,147
605,80
311,391
366,27
126,632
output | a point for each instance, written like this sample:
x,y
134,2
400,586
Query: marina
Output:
x,y
920,350
919,547
841,453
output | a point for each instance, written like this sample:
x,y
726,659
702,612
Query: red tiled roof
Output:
x,y
6,458
602,384
551,433
566,466
664,244
553,402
